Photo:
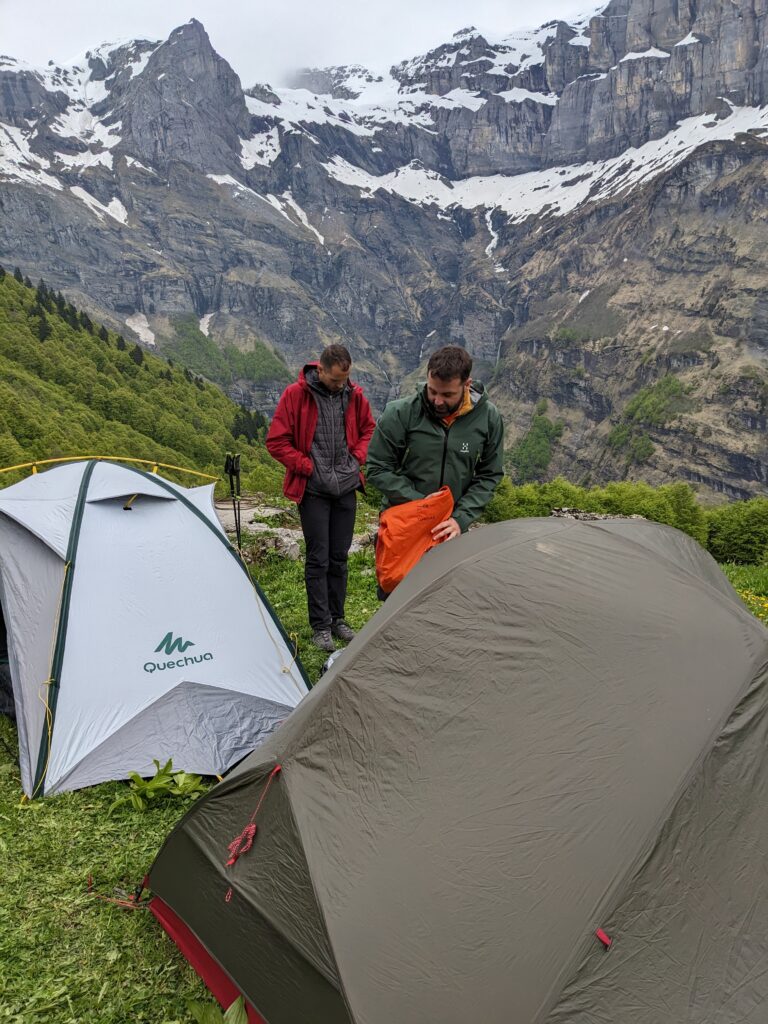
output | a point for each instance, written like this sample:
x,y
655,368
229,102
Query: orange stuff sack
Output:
x,y
405,534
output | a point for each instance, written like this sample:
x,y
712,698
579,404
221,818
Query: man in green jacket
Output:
x,y
447,433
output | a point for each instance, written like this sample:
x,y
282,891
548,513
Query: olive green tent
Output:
x,y
533,791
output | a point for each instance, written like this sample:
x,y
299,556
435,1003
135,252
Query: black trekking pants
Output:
x,y
328,524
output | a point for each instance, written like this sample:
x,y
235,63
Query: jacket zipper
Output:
x,y
445,453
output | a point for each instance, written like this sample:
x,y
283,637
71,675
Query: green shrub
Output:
x,y
620,435
739,532
674,504
640,449
655,405
532,454
570,334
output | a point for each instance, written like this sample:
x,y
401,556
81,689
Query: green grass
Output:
x,y
67,957
751,584
283,583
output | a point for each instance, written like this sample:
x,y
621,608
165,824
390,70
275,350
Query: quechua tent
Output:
x,y
533,790
133,630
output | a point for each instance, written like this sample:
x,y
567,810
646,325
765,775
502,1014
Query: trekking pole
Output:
x,y
236,459
232,469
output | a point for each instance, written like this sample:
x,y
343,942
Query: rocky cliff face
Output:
x,y
581,206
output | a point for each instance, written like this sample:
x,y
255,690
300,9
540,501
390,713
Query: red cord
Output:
x,y
275,771
242,843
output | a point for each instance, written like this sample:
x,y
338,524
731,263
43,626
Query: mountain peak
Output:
x,y
188,105
193,27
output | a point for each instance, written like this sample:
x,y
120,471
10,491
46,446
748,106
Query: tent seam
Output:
x,y
53,681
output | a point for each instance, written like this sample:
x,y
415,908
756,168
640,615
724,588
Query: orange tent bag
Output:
x,y
405,534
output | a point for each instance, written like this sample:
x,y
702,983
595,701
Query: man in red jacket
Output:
x,y
320,433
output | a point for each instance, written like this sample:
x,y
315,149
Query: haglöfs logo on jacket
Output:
x,y
170,645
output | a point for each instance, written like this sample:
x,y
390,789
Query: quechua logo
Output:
x,y
171,645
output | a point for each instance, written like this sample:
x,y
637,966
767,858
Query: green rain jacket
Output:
x,y
413,454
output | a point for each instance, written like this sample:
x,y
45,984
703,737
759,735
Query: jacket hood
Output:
x,y
305,382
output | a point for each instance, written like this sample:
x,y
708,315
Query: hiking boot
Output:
x,y
322,638
342,631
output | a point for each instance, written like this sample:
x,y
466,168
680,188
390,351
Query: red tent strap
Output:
x,y
242,843
606,940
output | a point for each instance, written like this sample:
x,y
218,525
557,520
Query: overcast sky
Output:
x,y
265,39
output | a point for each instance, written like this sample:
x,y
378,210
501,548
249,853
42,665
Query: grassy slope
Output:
x,y
68,958
223,365
76,393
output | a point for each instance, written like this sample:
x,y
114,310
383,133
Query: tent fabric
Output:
x,y
405,535
551,727
136,630
31,614
209,724
213,976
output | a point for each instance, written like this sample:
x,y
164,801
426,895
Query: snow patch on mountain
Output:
x,y
263,149
139,63
84,160
133,162
227,179
689,40
139,324
77,122
285,205
494,234
557,190
113,209
653,52
288,197
520,95
19,163
378,101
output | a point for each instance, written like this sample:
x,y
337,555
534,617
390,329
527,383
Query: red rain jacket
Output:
x,y
292,430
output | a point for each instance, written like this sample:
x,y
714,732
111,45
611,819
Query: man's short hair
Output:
x,y
335,355
450,361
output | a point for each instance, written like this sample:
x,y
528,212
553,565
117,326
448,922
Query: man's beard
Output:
x,y
446,410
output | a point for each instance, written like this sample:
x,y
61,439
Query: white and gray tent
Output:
x,y
133,630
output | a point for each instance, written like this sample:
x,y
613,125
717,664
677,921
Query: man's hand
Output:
x,y
446,530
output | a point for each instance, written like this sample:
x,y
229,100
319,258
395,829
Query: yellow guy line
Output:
x,y
108,458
